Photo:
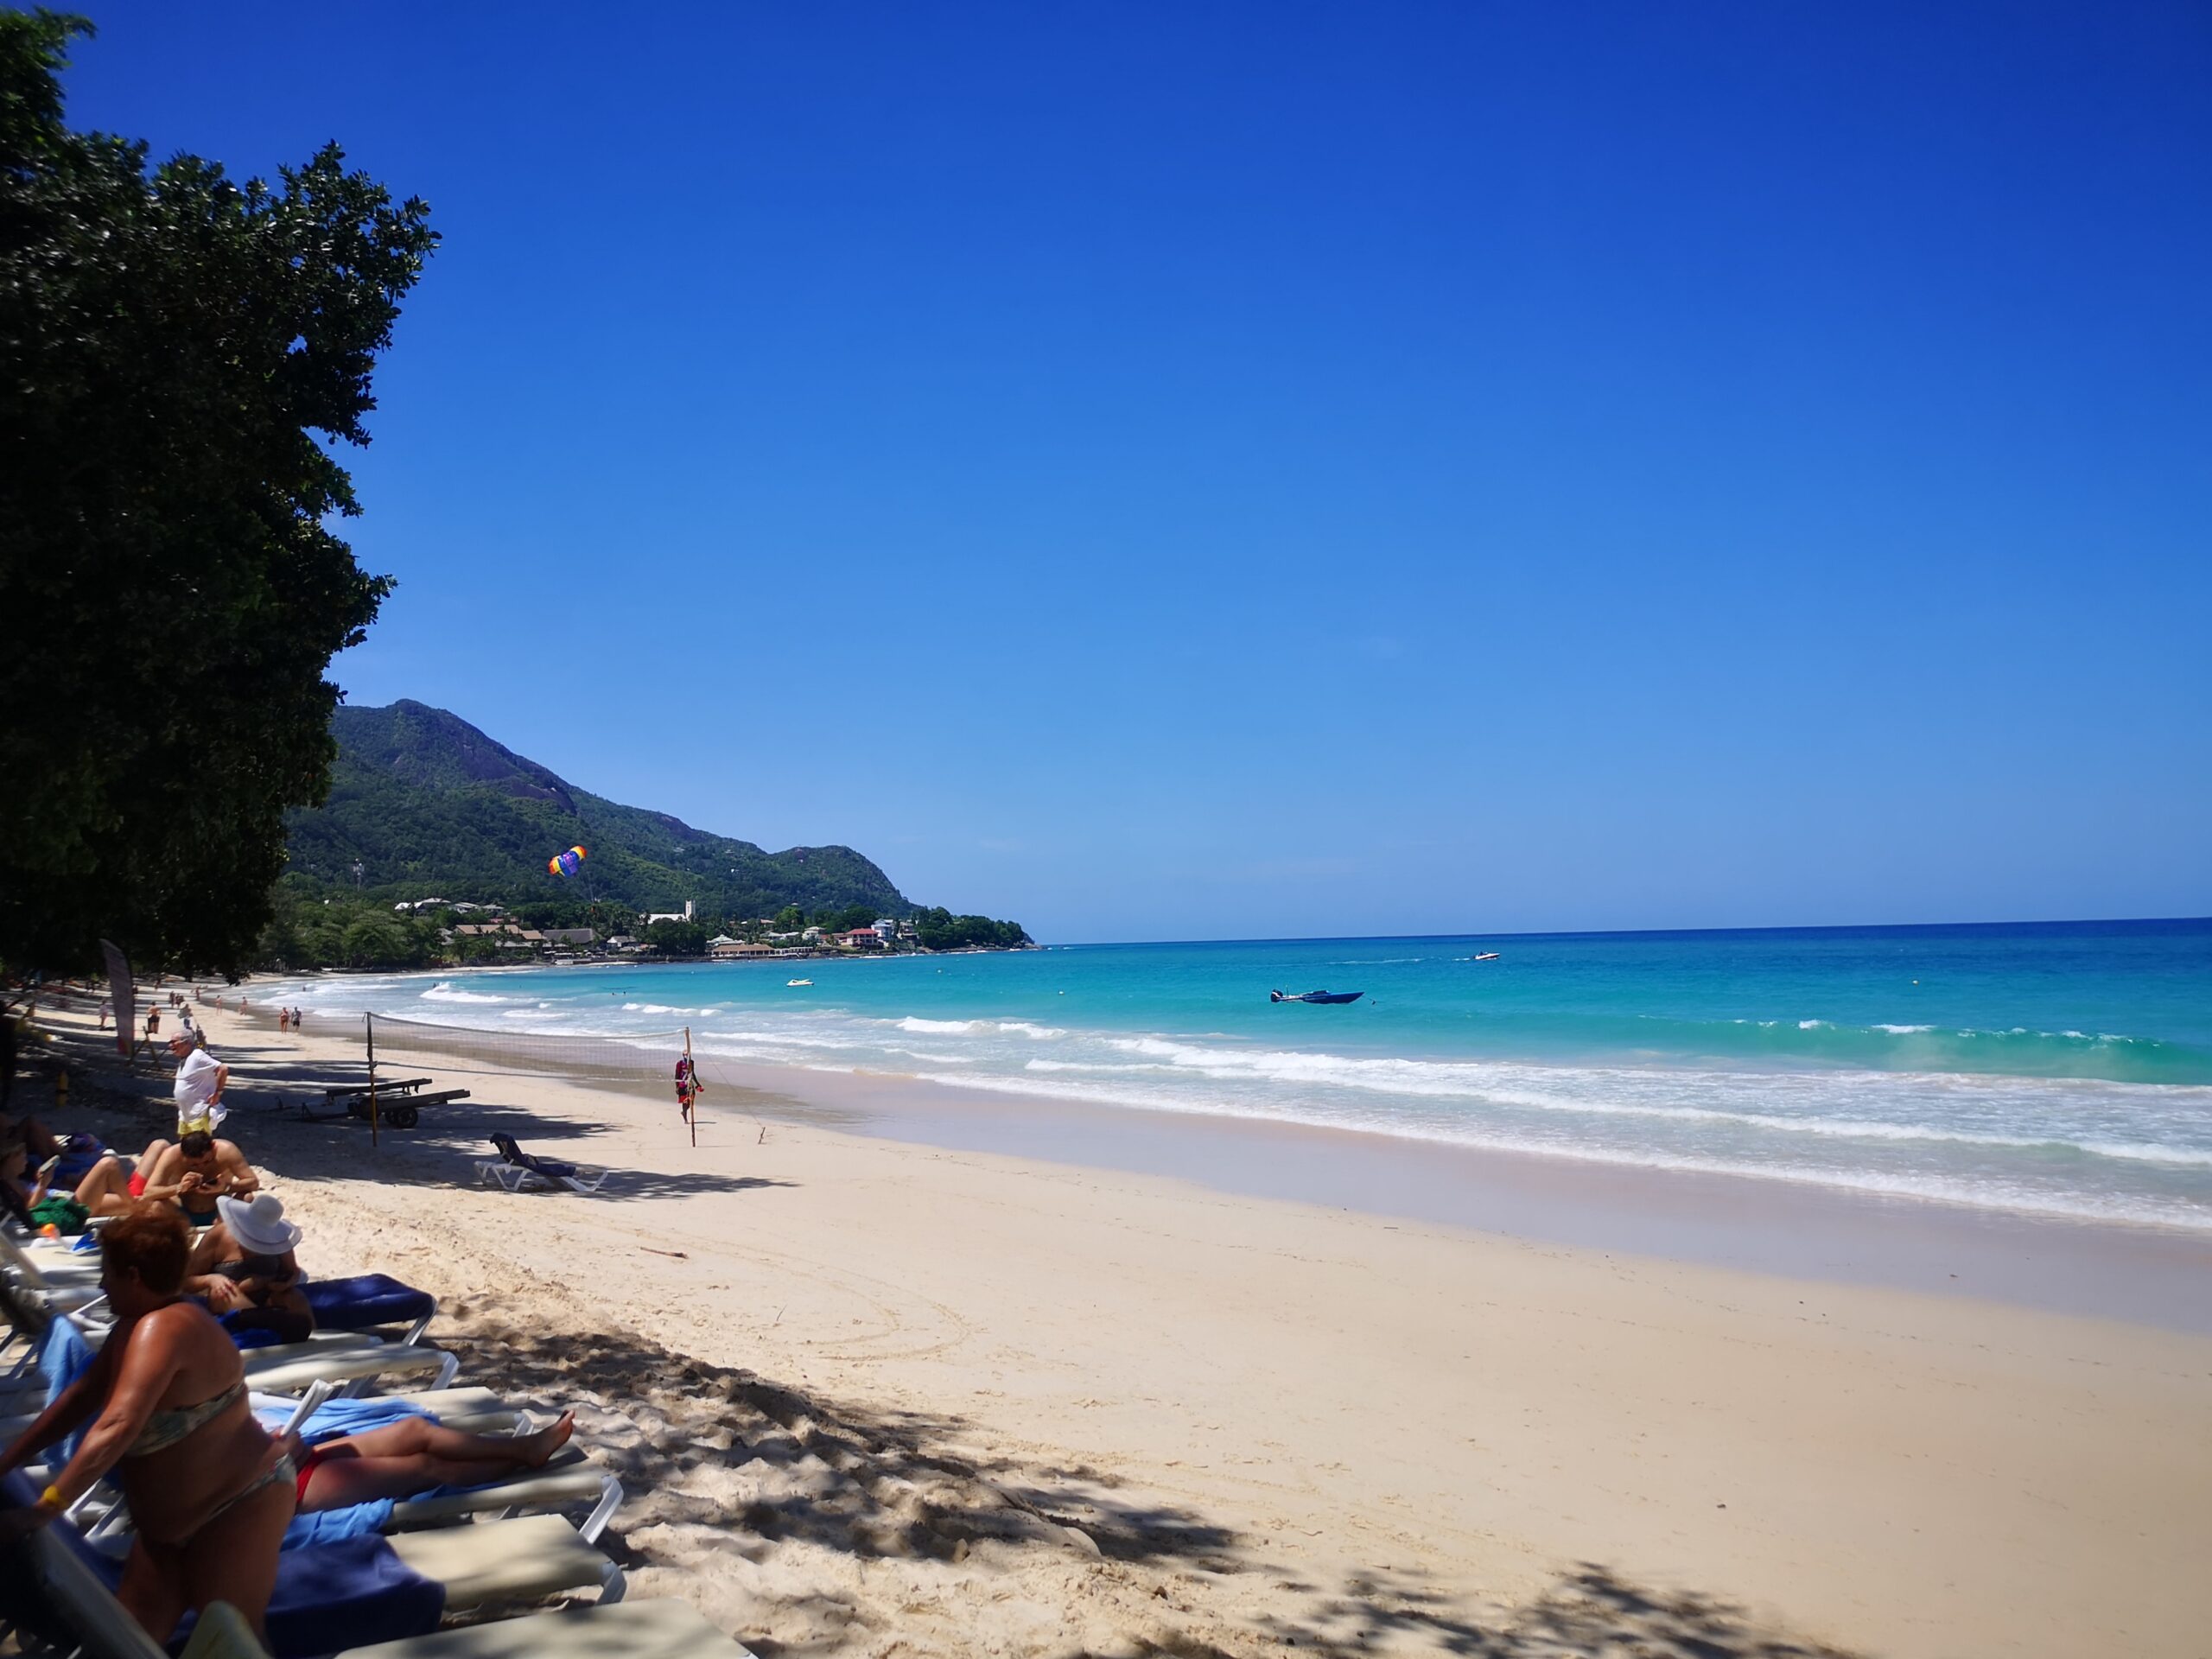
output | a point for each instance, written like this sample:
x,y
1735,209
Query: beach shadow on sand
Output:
x,y
730,1473
447,1148
1591,1610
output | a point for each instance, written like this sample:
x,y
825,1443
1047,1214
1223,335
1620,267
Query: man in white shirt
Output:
x,y
201,1080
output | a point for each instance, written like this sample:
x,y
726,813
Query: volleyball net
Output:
x,y
645,1057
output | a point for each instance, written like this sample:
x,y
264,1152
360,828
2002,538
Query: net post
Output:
x,y
369,1024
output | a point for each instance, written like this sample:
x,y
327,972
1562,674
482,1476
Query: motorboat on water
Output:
x,y
1315,996
1487,955
798,982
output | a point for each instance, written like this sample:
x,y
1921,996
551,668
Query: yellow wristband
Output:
x,y
51,1499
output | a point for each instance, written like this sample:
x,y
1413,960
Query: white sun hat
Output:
x,y
258,1224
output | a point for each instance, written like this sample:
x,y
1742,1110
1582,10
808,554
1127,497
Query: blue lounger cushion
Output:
x,y
360,1303
365,1300
333,1595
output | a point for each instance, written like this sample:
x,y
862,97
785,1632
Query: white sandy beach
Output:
x,y
872,1398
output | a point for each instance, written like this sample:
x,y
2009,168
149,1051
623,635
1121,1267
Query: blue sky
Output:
x,y
1229,471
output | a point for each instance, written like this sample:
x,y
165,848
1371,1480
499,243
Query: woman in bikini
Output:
x,y
210,1492
244,1267
416,1455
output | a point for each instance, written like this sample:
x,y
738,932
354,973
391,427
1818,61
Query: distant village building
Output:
x,y
860,938
670,916
571,934
738,950
885,929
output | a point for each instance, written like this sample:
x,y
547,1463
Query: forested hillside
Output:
x,y
429,806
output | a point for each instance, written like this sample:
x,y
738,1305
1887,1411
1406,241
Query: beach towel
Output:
x,y
335,1418
63,1358
334,1526
64,1214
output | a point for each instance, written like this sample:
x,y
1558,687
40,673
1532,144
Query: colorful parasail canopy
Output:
x,y
566,863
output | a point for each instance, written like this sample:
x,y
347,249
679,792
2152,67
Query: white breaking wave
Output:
x,y
443,992
970,1027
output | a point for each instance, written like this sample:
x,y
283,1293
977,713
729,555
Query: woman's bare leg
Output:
x,y
105,1190
152,1590
346,1481
403,1459
419,1437
233,1557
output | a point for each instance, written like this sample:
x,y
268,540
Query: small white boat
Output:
x,y
1487,955
798,982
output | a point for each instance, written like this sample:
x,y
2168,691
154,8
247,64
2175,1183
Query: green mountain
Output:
x,y
431,807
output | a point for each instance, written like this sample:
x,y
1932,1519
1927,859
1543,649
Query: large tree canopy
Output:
x,y
176,351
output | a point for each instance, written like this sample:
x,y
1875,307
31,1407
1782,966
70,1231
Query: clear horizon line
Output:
x,y
1642,932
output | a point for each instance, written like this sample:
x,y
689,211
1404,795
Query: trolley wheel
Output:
x,y
402,1114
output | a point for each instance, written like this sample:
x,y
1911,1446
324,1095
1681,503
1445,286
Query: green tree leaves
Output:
x,y
178,349
938,929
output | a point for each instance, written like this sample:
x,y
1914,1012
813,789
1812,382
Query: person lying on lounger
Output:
x,y
244,1267
35,1139
210,1492
32,1204
114,1184
416,1455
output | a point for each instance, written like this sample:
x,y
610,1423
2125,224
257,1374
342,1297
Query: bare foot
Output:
x,y
536,1449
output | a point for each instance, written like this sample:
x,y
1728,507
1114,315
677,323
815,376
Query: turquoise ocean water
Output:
x,y
2063,1069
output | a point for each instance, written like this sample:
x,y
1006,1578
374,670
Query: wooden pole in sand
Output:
x,y
691,1080
369,1021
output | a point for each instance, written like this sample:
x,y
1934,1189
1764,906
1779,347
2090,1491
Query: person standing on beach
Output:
x,y
201,1081
153,1024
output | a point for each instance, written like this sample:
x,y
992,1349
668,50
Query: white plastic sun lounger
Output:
x,y
353,1369
514,1169
521,1561
353,1359
43,1263
568,1482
